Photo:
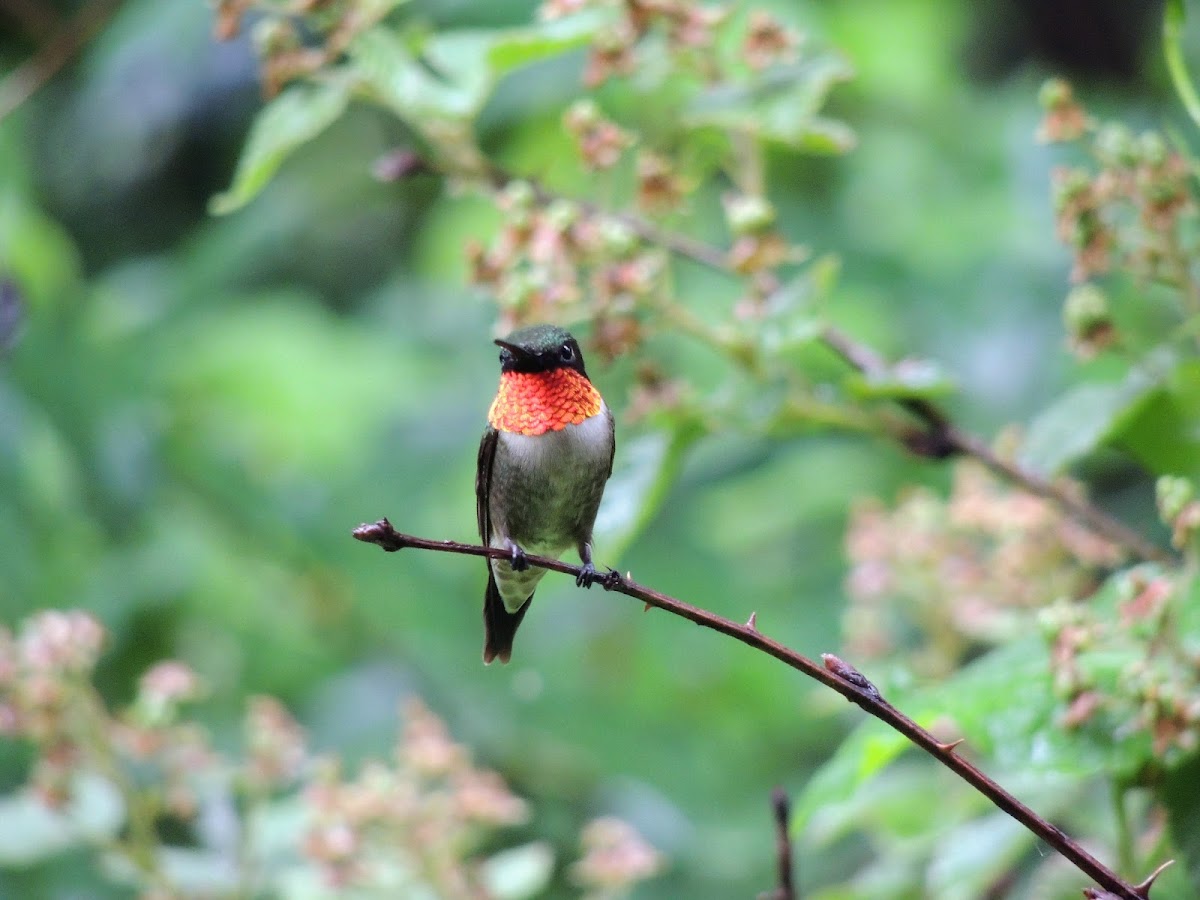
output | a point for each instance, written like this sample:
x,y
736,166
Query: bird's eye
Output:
x,y
567,353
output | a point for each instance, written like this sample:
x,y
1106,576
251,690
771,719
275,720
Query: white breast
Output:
x,y
585,444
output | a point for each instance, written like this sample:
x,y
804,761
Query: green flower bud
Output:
x,y
1054,92
617,237
582,114
1116,146
1173,494
1153,148
561,214
749,214
273,36
1070,184
517,195
1086,311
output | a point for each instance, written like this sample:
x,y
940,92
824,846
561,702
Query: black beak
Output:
x,y
516,351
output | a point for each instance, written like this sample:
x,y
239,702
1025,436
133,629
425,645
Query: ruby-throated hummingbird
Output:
x,y
543,461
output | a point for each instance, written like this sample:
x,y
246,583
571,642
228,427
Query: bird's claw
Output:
x,y
611,579
587,576
517,559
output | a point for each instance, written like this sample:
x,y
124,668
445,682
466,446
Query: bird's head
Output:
x,y
540,348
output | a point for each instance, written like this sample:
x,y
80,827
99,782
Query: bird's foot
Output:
x,y
587,576
517,559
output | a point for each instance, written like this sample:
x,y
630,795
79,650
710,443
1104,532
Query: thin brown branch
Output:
x,y
29,77
835,674
941,438
781,807
1096,519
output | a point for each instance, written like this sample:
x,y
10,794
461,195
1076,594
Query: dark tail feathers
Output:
x,y
499,625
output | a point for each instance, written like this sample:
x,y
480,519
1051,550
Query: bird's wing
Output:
x,y
612,430
483,482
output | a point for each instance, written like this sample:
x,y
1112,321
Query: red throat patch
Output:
x,y
536,402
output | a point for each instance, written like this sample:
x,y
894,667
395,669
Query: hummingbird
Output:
x,y
543,463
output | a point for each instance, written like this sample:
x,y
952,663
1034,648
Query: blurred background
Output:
x,y
195,411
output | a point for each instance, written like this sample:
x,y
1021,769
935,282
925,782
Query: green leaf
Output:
x,y
1164,432
1187,613
1005,707
292,119
908,379
452,86
782,337
453,74
643,472
37,251
818,136
445,82
793,318
514,48
896,809
971,857
822,808
519,873
1085,418
781,108
1180,794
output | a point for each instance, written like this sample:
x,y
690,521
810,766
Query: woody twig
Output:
x,y
834,673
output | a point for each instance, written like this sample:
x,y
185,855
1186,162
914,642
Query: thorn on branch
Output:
x,y
850,675
1143,888
752,622
951,746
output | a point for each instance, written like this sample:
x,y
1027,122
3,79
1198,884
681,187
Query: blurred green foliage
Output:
x,y
196,409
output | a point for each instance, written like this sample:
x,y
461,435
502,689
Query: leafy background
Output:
x,y
199,408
